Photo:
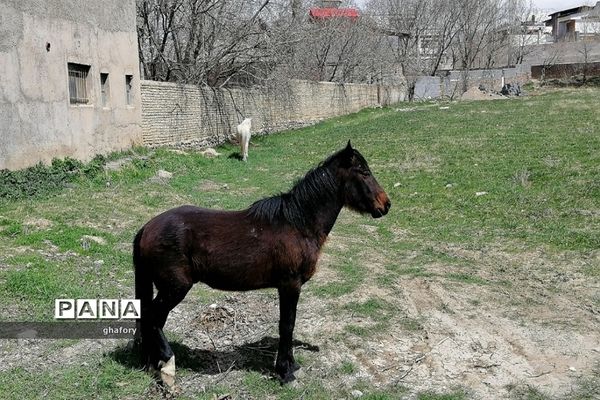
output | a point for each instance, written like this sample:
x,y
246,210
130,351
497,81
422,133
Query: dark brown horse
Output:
x,y
273,244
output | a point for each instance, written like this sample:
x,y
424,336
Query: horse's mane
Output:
x,y
317,186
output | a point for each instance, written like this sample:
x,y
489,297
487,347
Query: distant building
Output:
x,y
531,32
330,9
575,23
69,79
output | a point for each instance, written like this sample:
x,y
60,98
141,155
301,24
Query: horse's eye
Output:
x,y
361,171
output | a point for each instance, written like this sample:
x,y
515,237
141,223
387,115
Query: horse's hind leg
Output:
x,y
165,301
243,147
246,144
286,364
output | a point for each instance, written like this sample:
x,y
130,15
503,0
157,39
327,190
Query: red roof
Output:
x,y
329,12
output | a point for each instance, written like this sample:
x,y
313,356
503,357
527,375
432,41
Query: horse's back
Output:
x,y
227,250
175,228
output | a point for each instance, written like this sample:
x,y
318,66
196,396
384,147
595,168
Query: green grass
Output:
x,y
347,368
539,171
376,309
259,387
365,331
350,273
460,395
106,379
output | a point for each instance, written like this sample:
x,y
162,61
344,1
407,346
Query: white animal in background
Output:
x,y
243,133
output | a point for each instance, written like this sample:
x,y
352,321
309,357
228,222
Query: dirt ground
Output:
x,y
474,93
540,329
537,326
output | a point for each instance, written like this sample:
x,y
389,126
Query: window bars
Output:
x,y
78,87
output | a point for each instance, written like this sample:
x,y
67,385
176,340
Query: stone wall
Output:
x,y
174,114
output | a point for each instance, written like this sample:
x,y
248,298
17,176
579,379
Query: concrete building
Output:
x,y
69,79
578,23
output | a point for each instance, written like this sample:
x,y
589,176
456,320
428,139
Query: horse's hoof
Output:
x,y
287,378
133,345
149,366
167,372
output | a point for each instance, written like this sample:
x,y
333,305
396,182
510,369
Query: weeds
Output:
x,y
42,180
522,178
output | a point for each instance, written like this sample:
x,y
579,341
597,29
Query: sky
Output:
x,y
557,5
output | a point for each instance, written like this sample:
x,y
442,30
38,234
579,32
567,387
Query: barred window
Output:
x,y
78,83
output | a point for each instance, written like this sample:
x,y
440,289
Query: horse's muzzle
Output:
x,y
382,205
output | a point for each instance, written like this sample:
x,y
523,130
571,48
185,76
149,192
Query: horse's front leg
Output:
x,y
288,301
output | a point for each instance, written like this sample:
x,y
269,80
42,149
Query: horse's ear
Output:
x,y
348,150
348,154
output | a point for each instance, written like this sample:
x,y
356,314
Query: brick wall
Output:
x,y
564,71
187,114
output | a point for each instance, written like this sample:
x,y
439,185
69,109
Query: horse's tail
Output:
x,y
143,282
143,290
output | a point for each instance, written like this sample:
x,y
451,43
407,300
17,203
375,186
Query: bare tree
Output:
x,y
235,42
409,22
423,32
446,26
478,35
208,42
437,34
551,58
589,37
526,31
340,50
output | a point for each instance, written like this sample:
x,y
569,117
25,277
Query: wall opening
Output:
x,y
104,89
78,83
129,89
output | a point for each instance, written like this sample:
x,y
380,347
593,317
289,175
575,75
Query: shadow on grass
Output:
x,y
256,356
237,156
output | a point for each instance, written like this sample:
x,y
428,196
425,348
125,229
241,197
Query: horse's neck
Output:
x,y
326,220
323,217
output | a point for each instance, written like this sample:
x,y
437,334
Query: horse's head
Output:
x,y
360,190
